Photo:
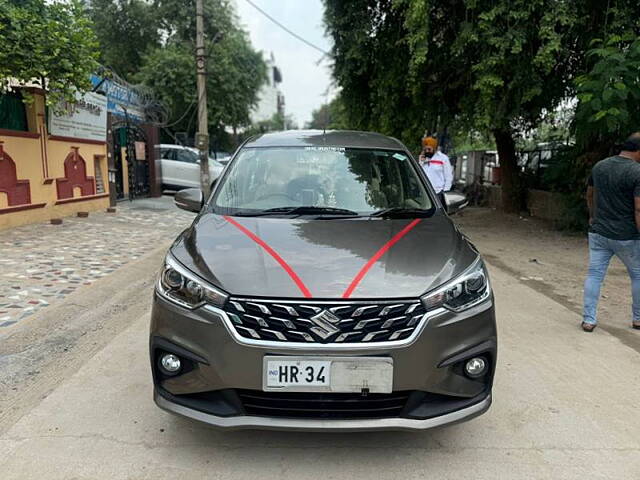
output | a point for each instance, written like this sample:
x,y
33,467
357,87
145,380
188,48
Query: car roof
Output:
x,y
320,138
173,145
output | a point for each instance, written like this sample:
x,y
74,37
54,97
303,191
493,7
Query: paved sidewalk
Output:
x,y
42,263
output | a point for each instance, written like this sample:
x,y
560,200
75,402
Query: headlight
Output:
x,y
180,286
466,291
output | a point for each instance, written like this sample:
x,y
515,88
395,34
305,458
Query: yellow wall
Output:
x,y
125,171
27,156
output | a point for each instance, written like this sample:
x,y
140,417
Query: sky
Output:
x,y
304,83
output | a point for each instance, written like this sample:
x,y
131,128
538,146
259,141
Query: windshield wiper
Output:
x,y
301,210
400,212
311,210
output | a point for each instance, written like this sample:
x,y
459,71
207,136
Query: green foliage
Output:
x,y
276,123
609,94
466,140
506,60
330,116
235,72
406,66
49,43
498,66
126,30
371,57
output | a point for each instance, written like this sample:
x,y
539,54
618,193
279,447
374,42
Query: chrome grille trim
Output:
x,y
288,308
334,345
411,308
324,323
250,331
359,311
303,335
287,323
391,321
277,334
310,308
237,305
261,306
396,334
389,308
370,336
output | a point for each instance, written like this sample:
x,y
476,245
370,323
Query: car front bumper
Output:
x,y
249,422
428,367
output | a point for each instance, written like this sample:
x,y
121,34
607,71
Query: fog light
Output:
x,y
170,363
475,367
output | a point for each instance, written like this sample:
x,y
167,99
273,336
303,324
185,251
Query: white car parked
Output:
x,y
181,167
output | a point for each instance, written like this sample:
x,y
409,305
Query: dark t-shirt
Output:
x,y
616,181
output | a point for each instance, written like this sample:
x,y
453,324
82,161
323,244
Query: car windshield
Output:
x,y
323,180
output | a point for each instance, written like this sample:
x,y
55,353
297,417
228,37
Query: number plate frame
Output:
x,y
347,374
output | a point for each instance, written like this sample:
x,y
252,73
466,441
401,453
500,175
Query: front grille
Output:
x,y
323,405
352,322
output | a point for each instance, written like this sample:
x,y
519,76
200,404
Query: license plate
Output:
x,y
328,374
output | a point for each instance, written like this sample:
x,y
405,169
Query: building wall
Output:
x,y
545,205
39,160
270,99
267,104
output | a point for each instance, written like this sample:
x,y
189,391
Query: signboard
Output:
x,y
87,119
141,150
121,100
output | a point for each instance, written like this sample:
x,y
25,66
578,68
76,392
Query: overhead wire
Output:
x,y
283,27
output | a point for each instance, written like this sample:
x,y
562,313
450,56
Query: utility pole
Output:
x,y
202,137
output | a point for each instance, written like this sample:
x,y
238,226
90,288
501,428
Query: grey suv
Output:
x,y
322,287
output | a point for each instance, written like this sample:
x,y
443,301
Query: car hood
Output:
x,y
324,257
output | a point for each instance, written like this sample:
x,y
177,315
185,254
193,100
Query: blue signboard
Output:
x,y
120,99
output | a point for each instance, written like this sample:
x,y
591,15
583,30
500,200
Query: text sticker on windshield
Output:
x,y
325,149
399,156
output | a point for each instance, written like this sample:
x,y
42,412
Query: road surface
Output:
x,y
565,407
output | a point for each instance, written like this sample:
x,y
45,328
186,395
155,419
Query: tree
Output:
x,y
492,65
276,123
235,71
126,31
329,116
609,94
371,59
49,43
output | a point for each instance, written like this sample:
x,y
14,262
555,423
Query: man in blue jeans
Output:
x,y
613,197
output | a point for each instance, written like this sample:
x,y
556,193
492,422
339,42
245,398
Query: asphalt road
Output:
x,y
565,407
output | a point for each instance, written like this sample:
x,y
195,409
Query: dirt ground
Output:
x,y
551,262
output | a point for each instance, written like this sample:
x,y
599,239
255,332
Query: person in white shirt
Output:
x,y
437,167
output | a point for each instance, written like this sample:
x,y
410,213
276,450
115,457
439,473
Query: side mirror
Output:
x,y
456,201
190,200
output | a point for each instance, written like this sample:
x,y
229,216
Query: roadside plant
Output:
x,y
48,44
609,93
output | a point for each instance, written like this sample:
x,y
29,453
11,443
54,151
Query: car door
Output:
x,y
169,167
188,168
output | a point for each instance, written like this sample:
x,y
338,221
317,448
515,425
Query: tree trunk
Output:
x,y
512,190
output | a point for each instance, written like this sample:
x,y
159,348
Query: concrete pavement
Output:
x,y
565,407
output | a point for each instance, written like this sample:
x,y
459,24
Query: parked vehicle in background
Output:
x,y
222,157
323,286
181,167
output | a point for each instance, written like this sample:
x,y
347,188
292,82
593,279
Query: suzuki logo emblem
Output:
x,y
325,324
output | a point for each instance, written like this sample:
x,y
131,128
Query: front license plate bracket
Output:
x,y
327,374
